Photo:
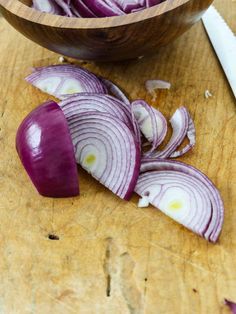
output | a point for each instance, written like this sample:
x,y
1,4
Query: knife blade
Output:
x,y
224,43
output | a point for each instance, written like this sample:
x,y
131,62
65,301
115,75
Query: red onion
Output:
x,y
183,193
107,149
101,8
191,135
181,124
115,91
85,102
58,80
65,5
45,148
151,122
47,6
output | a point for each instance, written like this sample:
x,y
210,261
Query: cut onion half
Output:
x,y
44,145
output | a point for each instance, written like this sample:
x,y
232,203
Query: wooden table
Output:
x,y
155,265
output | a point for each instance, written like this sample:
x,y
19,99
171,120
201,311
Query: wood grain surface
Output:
x,y
116,38
110,257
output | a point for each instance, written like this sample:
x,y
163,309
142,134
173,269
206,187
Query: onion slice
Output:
x,y
107,149
231,305
46,151
58,80
151,122
85,102
115,91
180,124
191,135
183,193
152,85
47,6
65,5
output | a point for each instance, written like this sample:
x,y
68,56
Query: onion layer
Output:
x,y
183,193
181,124
64,79
45,148
151,122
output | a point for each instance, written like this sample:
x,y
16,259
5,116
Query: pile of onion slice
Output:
x,y
92,8
100,129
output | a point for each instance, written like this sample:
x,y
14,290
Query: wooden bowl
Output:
x,y
105,39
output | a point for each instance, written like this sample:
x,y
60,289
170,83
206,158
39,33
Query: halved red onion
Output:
x,y
58,80
184,193
231,305
45,148
151,122
85,102
47,6
107,149
180,124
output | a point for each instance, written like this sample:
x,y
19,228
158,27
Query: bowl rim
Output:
x,y
25,12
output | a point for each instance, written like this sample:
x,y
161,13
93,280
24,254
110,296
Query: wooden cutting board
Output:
x,y
112,257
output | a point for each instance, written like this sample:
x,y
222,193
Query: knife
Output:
x,y
224,43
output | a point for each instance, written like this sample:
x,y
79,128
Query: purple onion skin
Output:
x,y
46,151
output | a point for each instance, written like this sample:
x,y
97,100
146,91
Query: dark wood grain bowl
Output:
x,y
105,39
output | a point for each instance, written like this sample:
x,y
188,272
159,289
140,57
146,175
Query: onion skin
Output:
x,y
46,151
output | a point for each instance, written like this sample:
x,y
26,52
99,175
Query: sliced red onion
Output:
x,y
191,135
129,5
107,149
151,3
45,148
47,6
151,122
83,10
183,193
115,91
180,123
152,85
101,9
75,11
231,305
58,80
65,5
85,102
